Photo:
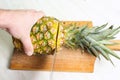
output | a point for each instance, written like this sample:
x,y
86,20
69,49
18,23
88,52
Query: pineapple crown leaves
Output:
x,y
92,39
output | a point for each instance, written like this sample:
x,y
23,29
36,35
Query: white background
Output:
x,y
98,11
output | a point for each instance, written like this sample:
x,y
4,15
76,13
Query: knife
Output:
x,y
54,56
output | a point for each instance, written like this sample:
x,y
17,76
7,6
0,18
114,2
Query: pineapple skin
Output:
x,y
45,34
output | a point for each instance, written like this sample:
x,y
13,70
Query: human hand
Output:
x,y
19,23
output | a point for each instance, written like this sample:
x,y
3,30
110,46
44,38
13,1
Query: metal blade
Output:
x,y
54,56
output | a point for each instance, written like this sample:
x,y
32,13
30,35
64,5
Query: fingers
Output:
x,y
28,48
25,20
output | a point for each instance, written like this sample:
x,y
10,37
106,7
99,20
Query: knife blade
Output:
x,y
54,55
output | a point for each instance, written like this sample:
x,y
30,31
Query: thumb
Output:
x,y
28,48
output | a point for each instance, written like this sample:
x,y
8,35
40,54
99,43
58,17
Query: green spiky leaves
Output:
x,y
92,39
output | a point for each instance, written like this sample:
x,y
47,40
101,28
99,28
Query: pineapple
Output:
x,y
45,34
48,34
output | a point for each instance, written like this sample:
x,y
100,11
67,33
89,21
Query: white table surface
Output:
x,y
98,11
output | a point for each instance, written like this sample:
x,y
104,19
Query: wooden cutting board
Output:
x,y
66,59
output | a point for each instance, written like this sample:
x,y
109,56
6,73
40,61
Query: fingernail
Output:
x,y
29,53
